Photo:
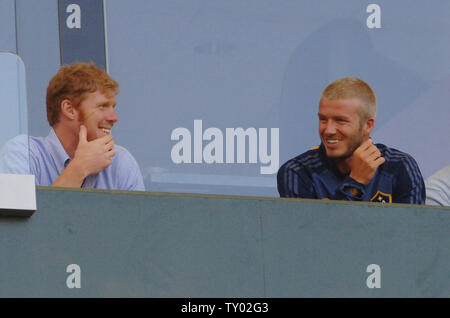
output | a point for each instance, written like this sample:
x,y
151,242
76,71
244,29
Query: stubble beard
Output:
x,y
82,121
354,142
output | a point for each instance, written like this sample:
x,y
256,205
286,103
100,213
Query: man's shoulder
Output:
x,y
123,157
394,156
310,160
19,141
24,144
398,161
440,176
438,188
36,143
123,163
127,170
14,155
121,150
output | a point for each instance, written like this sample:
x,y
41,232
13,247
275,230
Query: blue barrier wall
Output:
x,y
136,244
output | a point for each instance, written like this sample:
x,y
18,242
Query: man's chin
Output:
x,y
92,137
338,155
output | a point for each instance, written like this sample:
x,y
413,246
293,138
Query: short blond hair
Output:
x,y
352,87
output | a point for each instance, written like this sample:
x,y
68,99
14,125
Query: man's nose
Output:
x,y
330,128
112,116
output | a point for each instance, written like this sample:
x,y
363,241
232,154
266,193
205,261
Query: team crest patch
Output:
x,y
381,197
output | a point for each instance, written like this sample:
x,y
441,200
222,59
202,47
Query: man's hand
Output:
x,y
93,156
365,161
90,158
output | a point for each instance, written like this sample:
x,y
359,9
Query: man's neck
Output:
x,y
68,139
344,165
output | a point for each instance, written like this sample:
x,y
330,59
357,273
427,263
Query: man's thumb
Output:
x,y
83,134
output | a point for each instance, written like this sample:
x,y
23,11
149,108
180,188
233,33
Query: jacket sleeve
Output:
x,y
343,191
294,182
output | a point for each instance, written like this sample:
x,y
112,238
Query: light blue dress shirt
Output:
x,y
47,160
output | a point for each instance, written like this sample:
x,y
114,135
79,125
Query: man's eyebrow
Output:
x,y
107,103
344,117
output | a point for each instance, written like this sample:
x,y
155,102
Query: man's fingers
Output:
x,y
364,146
369,152
109,145
379,161
374,156
367,144
367,148
105,139
111,153
373,151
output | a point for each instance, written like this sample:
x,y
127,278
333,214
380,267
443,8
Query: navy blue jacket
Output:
x,y
313,175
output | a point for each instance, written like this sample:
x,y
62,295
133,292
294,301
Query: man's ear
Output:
x,y
368,126
68,110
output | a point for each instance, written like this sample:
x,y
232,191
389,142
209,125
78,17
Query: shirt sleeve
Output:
x,y
409,186
14,156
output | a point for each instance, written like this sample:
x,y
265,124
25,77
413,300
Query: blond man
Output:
x,y
348,165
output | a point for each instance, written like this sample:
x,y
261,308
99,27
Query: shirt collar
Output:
x,y
57,151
